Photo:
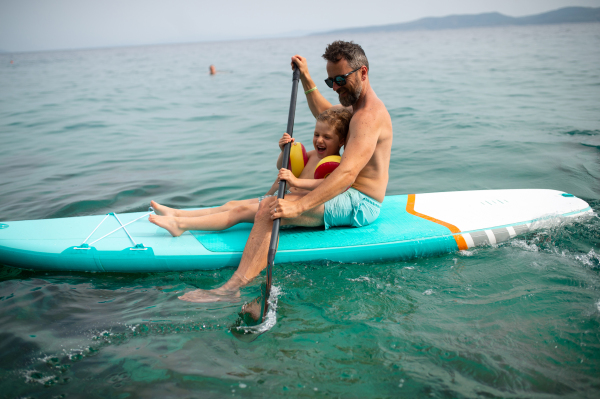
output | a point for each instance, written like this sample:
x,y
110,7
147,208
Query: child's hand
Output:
x,y
284,140
288,176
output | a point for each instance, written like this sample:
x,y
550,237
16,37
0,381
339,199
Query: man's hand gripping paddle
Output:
x,y
250,311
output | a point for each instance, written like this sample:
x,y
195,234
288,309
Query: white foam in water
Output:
x,y
271,318
428,292
31,377
361,278
589,259
523,245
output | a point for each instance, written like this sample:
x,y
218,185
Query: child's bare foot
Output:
x,y
168,223
163,210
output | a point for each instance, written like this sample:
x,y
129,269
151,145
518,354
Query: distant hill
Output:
x,y
560,16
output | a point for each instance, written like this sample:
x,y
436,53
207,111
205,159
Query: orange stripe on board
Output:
x,y
410,208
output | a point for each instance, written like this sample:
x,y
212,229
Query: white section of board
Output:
x,y
476,210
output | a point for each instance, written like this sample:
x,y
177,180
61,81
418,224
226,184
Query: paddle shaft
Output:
x,y
281,191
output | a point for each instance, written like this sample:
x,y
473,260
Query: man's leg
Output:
x,y
254,258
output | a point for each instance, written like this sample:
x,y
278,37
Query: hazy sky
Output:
x,y
31,25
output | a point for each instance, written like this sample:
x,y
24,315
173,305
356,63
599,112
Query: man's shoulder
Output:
x,y
375,110
340,106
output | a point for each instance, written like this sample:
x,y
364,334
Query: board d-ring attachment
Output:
x,y
83,246
139,247
3,226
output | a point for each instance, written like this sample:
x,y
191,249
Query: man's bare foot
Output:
x,y
168,223
163,210
216,295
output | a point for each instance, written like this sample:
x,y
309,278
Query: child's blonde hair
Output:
x,y
338,119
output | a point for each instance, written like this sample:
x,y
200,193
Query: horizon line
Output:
x,y
288,35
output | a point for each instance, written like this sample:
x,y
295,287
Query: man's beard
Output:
x,y
351,96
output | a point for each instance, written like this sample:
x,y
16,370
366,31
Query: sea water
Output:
x,y
95,131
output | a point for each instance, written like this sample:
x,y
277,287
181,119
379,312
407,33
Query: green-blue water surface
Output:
x,y
95,131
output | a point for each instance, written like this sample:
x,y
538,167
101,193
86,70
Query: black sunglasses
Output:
x,y
340,80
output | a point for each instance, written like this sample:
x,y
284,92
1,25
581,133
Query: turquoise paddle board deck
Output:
x,y
409,226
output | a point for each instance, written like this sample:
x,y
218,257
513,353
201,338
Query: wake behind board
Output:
x,y
409,226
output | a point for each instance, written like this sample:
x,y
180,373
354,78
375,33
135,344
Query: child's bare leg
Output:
x,y
166,211
215,222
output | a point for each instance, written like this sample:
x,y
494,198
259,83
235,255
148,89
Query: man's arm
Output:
x,y
309,184
357,153
316,102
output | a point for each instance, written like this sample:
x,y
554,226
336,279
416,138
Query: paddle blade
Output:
x,y
250,323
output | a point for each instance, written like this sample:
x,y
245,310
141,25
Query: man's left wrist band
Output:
x,y
310,90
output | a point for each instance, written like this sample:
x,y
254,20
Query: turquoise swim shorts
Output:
x,y
351,208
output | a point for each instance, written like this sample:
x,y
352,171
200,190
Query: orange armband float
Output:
x,y
298,158
326,166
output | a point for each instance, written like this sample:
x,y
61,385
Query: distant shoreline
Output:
x,y
567,15
493,19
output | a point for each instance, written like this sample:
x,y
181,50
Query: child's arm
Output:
x,y
273,188
293,181
282,142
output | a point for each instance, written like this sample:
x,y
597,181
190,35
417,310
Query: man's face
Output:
x,y
350,92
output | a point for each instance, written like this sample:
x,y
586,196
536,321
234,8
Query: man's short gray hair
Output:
x,y
349,51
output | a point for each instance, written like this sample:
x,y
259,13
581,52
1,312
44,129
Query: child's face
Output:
x,y
326,141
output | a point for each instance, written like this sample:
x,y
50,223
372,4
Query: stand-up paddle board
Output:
x,y
409,226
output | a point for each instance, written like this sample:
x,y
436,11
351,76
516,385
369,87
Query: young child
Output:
x,y
330,135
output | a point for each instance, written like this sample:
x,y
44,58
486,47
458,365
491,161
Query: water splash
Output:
x,y
361,278
571,239
247,332
591,259
519,243
34,376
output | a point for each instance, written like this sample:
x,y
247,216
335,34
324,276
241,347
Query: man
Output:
x,y
364,167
